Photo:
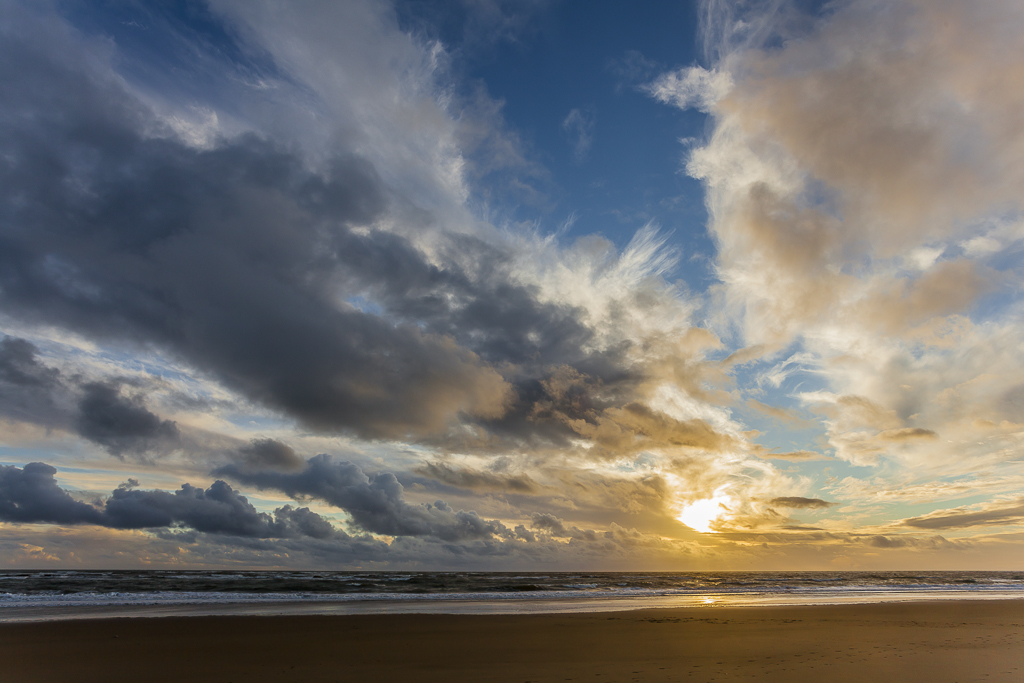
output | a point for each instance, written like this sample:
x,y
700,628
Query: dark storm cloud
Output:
x,y
119,423
798,503
225,256
218,509
31,495
376,503
19,367
1007,513
239,259
29,390
304,521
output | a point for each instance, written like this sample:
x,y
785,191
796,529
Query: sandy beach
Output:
x,y
933,642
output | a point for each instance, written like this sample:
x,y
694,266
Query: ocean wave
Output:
x,y
67,587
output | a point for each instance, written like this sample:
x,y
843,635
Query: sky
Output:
x,y
512,285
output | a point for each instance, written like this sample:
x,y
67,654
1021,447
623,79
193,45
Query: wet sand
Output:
x,y
953,642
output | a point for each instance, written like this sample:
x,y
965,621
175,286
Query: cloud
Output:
x,y
747,355
549,523
780,414
30,390
120,424
632,70
795,456
478,480
108,406
582,404
293,278
218,527
579,128
100,411
308,251
799,503
861,188
269,453
808,90
219,520
991,514
203,289
496,159
879,490
376,503
19,367
857,179
907,434
301,235
930,543
216,510
30,495
693,86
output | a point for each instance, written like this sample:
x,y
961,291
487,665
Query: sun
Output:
x,y
699,514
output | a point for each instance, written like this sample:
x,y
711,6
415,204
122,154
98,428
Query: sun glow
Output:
x,y
700,514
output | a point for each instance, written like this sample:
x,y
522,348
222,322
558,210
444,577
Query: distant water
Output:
x,y
57,594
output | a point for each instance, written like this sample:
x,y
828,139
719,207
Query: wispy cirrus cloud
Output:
x,y
578,126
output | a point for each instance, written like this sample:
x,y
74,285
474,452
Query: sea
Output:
x,y
68,594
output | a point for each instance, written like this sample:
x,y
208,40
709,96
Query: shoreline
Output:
x,y
469,605
938,642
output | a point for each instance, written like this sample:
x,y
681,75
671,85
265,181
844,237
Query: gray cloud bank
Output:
x,y
376,503
219,523
30,495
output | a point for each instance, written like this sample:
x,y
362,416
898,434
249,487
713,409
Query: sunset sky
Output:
x,y
512,284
